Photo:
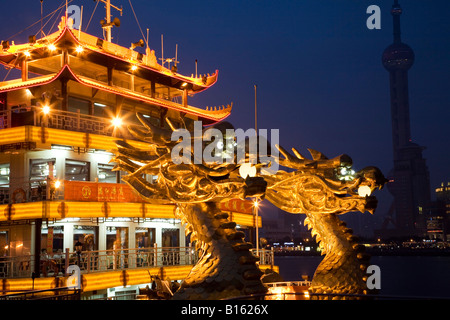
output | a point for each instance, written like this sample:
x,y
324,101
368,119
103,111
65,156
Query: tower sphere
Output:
x,y
398,56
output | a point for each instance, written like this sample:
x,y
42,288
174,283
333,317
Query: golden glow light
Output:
x,y
51,47
27,53
247,169
364,191
93,209
79,49
134,67
46,109
57,184
117,122
256,203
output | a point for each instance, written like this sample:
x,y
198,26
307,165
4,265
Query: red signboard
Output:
x,y
93,191
117,192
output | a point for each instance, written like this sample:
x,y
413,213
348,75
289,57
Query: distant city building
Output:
x,y
443,195
438,215
286,227
409,179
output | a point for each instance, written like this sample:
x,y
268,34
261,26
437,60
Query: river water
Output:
x,y
411,276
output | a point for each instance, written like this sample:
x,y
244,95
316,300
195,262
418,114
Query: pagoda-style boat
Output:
x,y
62,202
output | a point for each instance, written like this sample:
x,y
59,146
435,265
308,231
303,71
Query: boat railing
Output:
x,y
44,189
306,295
59,119
76,121
266,256
104,260
61,293
97,261
301,283
32,190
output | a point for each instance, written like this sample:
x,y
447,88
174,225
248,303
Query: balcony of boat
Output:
x,y
97,261
66,190
66,120
56,265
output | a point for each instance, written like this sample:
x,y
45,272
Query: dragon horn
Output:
x,y
316,155
286,154
298,154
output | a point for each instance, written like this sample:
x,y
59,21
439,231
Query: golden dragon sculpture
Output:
x,y
226,267
314,189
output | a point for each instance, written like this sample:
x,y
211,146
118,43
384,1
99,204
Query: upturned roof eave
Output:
x,y
7,57
66,72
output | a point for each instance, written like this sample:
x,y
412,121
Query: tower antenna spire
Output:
x,y
42,33
410,177
396,11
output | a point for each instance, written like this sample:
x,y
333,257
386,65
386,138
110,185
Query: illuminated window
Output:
x,y
87,235
76,104
101,110
145,237
4,175
4,245
105,173
4,183
77,170
116,238
56,245
40,170
170,237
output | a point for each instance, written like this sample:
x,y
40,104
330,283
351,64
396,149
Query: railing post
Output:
x,y
66,262
272,257
134,256
78,119
114,258
11,267
190,253
155,254
8,119
88,261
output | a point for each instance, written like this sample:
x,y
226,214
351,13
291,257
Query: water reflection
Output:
x,y
420,276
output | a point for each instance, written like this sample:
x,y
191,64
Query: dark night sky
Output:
x,y
317,66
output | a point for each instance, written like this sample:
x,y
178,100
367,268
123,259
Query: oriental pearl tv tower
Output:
x,y
409,179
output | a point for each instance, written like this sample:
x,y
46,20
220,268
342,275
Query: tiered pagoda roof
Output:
x,y
41,57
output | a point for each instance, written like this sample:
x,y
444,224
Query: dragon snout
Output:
x,y
371,178
255,187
